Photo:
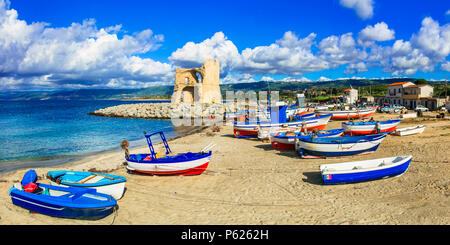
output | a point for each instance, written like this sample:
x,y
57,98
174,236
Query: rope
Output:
x,y
115,214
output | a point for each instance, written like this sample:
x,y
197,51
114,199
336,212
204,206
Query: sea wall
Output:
x,y
163,110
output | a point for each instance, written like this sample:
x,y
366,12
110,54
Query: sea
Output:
x,y
36,133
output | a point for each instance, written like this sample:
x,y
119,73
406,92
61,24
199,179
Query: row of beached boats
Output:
x,y
92,195
306,135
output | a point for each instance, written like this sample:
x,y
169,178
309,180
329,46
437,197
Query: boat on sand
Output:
x,y
358,171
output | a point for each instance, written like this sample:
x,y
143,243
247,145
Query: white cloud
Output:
x,y
238,78
323,79
445,66
379,32
74,56
218,46
295,79
448,12
288,55
433,39
356,68
339,50
266,78
364,8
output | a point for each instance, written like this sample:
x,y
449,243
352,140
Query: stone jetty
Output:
x,y
164,110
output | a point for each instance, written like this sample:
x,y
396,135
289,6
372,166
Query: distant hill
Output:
x,y
117,94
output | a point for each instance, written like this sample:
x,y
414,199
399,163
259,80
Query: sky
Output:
x,y
72,44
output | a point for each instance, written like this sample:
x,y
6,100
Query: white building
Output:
x,y
350,95
395,92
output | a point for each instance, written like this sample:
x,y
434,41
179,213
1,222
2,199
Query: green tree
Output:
x,y
420,81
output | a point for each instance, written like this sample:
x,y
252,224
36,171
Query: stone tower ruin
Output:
x,y
198,85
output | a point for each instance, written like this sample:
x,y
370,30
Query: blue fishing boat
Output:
x,y
278,119
286,140
113,185
160,163
77,202
338,146
359,171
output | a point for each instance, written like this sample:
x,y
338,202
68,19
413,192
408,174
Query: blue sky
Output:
x,y
133,43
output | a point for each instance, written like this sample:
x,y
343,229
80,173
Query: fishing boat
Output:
x,y
286,140
264,134
157,163
314,123
278,120
371,127
359,171
293,110
348,114
104,183
409,130
77,202
313,147
305,115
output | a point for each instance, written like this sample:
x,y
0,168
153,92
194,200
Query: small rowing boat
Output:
x,y
104,183
338,146
75,202
286,140
409,130
156,163
352,172
371,127
348,114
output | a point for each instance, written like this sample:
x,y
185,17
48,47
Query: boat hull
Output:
x,y
188,167
103,183
345,115
338,148
52,206
361,175
288,142
370,129
410,130
114,190
251,130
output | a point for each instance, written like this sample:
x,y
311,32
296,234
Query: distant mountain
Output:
x,y
117,94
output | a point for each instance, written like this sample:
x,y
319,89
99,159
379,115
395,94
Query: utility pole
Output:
x,y
446,79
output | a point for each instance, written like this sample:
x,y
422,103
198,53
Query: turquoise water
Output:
x,y
36,133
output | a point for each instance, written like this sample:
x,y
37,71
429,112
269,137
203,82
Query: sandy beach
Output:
x,y
250,183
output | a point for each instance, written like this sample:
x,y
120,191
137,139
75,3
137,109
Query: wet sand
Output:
x,y
250,183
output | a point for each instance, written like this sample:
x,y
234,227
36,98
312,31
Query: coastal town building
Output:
x,y
411,95
395,93
367,99
350,95
198,85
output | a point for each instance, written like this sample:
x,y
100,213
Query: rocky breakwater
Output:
x,y
163,110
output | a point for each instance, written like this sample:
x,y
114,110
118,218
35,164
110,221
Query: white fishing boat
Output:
x,y
359,171
113,185
410,130
348,114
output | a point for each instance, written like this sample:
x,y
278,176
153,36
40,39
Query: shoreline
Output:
x,y
68,160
